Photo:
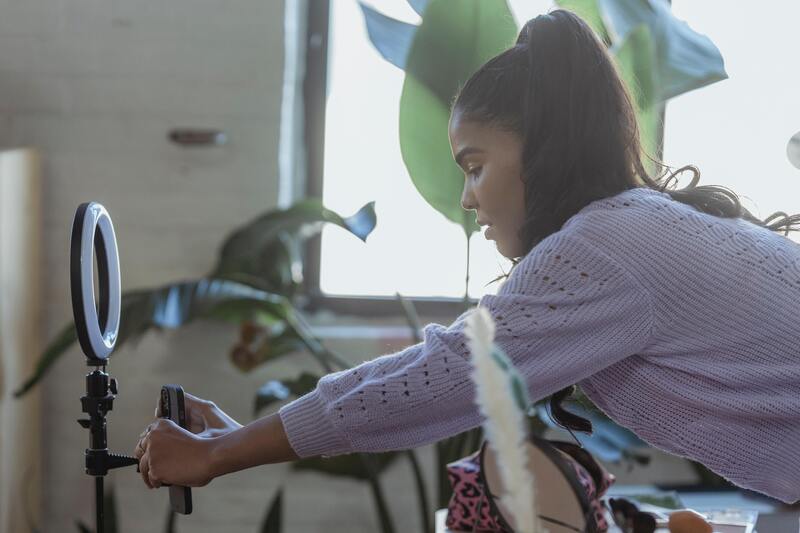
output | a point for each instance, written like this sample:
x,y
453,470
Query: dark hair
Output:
x,y
558,88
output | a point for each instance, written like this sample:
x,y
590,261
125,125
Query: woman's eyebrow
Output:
x,y
466,151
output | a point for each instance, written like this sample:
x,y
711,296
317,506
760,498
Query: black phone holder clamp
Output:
x,y
97,328
100,392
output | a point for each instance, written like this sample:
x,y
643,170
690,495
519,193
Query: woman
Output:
x,y
672,310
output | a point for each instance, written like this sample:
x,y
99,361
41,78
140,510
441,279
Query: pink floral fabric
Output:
x,y
469,510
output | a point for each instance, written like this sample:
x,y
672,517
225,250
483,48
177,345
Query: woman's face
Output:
x,y
491,160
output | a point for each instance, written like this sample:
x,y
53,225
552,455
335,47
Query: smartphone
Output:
x,y
172,406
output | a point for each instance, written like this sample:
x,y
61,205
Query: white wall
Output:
x,y
96,85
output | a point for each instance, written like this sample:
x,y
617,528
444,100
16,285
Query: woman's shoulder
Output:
x,y
627,202
639,215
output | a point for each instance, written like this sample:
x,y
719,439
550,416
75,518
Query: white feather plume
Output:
x,y
505,423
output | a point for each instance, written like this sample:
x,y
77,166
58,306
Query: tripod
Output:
x,y
97,330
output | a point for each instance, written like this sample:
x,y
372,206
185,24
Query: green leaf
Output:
x,y
278,267
412,318
391,37
418,6
609,441
178,304
278,390
452,42
464,35
347,466
635,58
273,521
684,59
172,306
242,252
66,338
283,341
515,380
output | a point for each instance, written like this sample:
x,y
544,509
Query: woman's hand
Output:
x,y
205,419
214,445
168,453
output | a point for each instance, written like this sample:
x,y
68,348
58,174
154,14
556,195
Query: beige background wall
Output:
x,y
20,315
96,85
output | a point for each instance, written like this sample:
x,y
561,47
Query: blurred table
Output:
x,y
772,518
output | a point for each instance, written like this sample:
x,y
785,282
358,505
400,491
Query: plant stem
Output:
x,y
466,280
377,493
318,351
421,492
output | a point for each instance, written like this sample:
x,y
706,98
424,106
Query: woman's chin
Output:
x,y
512,253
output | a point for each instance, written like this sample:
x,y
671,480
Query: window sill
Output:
x,y
362,331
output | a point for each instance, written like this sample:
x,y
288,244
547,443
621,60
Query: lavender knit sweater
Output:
x,y
679,325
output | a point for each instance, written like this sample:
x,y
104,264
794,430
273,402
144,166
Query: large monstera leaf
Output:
x,y
439,55
265,252
452,42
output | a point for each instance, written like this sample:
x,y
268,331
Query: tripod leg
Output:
x,y
99,518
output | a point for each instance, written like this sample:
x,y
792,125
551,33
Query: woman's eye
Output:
x,y
474,171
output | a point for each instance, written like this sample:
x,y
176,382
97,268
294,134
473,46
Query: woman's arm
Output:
x,y
567,311
260,442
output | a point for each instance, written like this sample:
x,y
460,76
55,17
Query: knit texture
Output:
x,y
681,326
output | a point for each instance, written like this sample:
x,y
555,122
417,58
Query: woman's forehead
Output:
x,y
467,133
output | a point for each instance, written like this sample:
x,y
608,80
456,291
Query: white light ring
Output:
x,y
97,344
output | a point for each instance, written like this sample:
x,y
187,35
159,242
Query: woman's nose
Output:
x,y
467,198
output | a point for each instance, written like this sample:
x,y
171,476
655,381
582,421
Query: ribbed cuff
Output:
x,y
309,429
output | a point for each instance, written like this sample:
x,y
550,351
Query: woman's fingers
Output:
x,y
144,469
142,453
195,411
190,397
139,449
176,456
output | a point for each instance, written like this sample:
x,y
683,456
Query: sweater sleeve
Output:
x,y
567,311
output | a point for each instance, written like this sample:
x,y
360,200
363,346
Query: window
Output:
x,y
733,130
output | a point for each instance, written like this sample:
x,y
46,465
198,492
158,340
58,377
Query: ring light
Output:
x,y
92,230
